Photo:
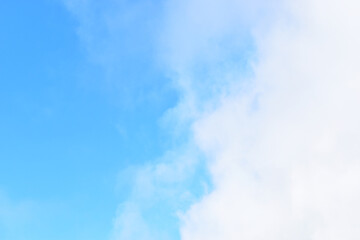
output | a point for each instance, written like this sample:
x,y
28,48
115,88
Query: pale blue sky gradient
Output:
x,y
97,102
74,113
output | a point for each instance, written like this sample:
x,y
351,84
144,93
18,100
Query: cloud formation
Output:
x,y
283,150
270,94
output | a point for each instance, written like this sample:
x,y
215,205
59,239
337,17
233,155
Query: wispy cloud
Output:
x,y
118,38
15,216
159,192
269,94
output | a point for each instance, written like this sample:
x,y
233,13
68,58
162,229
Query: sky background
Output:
x,y
179,119
79,103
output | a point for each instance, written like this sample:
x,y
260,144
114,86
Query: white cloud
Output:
x,y
282,145
283,153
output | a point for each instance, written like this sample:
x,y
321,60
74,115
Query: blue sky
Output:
x,y
97,100
179,119
72,119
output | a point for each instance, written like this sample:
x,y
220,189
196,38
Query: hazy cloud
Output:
x,y
270,94
283,153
